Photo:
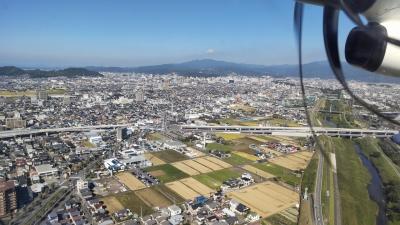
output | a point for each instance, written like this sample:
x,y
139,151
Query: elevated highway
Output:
x,y
27,132
292,131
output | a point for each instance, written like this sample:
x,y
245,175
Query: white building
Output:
x,y
46,171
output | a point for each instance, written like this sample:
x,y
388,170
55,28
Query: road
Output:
x,y
318,216
22,132
292,131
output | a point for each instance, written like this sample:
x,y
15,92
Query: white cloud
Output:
x,y
210,51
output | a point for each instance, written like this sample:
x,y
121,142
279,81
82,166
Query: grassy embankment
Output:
x,y
388,172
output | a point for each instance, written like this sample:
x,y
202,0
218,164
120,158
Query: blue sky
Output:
x,y
146,32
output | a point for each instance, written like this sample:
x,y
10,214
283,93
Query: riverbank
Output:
x,y
388,174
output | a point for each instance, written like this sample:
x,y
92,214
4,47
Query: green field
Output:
x,y
215,179
280,172
277,219
236,160
353,178
219,147
169,156
174,197
310,174
387,171
134,203
170,173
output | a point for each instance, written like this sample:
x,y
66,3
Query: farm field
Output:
x,y
183,167
130,181
153,198
183,190
197,186
113,205
295,161
156,161
285,174
169,156
257,171
134,203
201,165
166,173
279,198
246,156
218,161
214,179
208,164
237,160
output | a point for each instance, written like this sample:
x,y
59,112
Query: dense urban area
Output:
x,y
133,148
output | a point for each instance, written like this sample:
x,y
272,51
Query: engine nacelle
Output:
x,y
368,48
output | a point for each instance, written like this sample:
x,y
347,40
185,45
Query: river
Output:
x,y
375,188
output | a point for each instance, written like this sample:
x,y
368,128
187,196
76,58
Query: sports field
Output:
x,y
130,181
154,160
295,161
266,198
153,198
113,205
258,172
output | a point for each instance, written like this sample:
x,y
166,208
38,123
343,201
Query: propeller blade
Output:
x,y
298,28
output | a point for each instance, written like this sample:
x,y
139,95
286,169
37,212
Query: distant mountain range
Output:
x,y
209,67
68,72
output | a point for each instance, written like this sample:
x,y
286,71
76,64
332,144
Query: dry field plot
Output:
x,y
130,181
182,190
156,161
217,161
153,198
197,186
247,156
185,168
201,165
296,161
266,198
197,166
208,164
113,205
189,188
259,172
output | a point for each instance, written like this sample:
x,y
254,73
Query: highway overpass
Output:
x,y
292,131
27,132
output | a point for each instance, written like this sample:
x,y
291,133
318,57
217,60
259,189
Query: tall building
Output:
x,y
139,96
8,198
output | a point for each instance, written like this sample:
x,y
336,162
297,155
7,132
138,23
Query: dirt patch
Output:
x,y
130,181
156,161
153,198
157,173
113,205
258,172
